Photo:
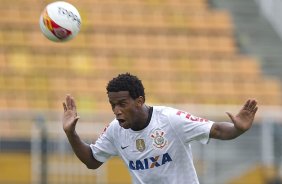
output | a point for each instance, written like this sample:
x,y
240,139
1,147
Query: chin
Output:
x,y
124,125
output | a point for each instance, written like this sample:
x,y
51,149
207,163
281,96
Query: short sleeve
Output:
x,y
190,127
104,147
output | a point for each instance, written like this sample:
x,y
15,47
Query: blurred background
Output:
x,y
203,56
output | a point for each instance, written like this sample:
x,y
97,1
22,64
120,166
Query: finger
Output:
x,y
76,119
230,116
73,102
253,104
73,105
254,111
68,101
65,107
246,105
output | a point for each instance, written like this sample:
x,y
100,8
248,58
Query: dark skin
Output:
x,y
241,122
80,148
133,113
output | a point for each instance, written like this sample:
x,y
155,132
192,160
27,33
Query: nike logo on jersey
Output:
x,y
124,147
149,163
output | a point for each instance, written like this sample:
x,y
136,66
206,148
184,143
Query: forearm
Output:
x,y
82,150
224,131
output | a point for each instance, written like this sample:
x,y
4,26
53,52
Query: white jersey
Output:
x,y
160,153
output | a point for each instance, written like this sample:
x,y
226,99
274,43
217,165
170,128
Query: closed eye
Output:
x,y
123,104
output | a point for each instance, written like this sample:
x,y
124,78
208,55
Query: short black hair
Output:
x,y
127,82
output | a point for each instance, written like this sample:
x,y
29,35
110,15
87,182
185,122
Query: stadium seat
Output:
x,y
181,48
184,52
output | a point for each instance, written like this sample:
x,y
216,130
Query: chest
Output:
x,y
150,144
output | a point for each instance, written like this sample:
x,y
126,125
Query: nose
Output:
x,y
117,110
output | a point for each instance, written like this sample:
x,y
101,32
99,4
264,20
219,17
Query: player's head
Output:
x,y
126,96
127,82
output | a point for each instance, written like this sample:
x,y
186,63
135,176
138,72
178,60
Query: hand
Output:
x,y
70,117
244,119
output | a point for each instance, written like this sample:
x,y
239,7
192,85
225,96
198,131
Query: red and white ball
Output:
x,y
60,21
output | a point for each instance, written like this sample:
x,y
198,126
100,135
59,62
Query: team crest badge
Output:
x,y
159,141
140,145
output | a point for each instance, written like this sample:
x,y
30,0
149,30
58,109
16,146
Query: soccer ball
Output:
x,y
60,21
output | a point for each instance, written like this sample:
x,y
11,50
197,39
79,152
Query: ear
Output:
x,y
140,101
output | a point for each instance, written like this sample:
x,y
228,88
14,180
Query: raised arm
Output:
x,y
240,122
80,148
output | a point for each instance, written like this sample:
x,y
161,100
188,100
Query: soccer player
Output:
x,y
153,141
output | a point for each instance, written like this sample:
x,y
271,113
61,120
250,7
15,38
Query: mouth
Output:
x,y
122,122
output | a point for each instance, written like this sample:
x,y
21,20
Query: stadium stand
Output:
x,y
185,52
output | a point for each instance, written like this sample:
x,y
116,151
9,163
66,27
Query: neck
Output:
x,y
144,118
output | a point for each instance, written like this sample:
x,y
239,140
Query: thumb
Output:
x,y
76,119
230,116
69,127
73,125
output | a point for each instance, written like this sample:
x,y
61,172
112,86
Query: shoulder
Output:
x,y
174,115
112,127
164,112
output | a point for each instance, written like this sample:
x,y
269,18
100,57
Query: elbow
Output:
x,y
90,166
93,164
224,131
224,138
223,135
